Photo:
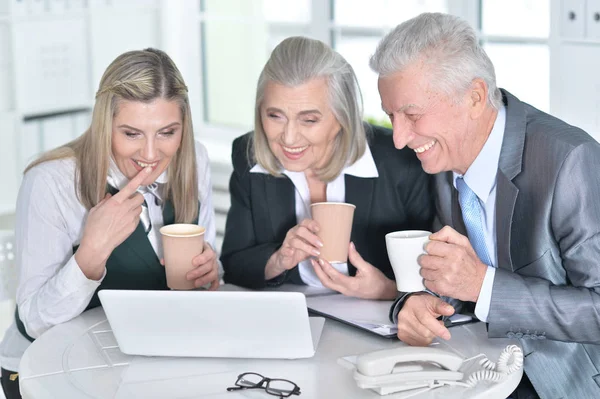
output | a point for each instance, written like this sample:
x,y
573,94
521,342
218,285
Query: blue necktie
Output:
x,y
471,211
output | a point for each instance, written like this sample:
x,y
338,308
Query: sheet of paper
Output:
x,y
305,289
368,314
371,315
360,311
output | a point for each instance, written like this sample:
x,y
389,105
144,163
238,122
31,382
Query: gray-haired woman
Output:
x,y
309,145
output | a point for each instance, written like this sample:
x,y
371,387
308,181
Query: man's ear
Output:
x,y
477,97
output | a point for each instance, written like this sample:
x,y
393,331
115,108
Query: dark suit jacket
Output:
x,y
263,210
547,286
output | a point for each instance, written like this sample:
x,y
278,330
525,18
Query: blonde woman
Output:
x,y
88,212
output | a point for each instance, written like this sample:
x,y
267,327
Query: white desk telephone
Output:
x,y
407,368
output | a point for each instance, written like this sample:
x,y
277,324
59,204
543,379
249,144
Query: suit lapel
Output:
x,y
513,143
359,192
506,198
509,166
280,203
457,219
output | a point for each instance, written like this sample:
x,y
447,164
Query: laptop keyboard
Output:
x,y
107,345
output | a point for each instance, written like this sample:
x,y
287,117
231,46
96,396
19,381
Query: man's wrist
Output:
x,y
401,300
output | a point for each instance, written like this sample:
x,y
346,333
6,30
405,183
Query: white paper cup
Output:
x,y
403,248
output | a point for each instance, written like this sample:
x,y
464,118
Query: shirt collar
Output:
x,y
481,175
363,167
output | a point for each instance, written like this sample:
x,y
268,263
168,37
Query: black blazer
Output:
x,y
263,210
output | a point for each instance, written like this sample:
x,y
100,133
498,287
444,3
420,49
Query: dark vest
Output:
x,y
133,265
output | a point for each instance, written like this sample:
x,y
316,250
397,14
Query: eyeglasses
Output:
x,y
273,386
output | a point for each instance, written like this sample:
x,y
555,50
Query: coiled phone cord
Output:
x,y
509,361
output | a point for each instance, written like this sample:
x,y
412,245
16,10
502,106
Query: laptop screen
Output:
x,y
239,324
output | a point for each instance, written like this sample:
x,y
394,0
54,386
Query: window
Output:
x,y
515,36
238,35
359,25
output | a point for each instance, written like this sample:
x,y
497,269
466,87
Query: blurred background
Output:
x,y
53,53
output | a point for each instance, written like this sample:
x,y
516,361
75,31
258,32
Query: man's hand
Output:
x,y
369,282
451,266
417,321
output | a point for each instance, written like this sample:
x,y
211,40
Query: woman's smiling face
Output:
x,y
146,134
299,124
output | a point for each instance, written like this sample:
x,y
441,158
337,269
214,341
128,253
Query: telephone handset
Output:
x,y
407,368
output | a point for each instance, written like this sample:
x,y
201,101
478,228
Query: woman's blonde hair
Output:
x,y
143,75
295,61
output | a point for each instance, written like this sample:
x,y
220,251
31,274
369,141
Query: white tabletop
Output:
x,y
80,359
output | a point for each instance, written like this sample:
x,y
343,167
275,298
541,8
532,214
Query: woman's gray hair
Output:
x,y
296,61
447,45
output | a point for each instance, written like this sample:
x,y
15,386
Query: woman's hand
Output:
x,y
206,269
368,283
108,224
301,242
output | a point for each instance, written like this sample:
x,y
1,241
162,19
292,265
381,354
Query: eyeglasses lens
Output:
x,y
280,387
249,380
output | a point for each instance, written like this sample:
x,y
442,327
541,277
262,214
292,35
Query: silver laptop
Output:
x,y
212,324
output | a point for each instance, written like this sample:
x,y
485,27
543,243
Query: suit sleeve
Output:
x,y
560,312
243,259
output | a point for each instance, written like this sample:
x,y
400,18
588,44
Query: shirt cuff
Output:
x,y
482,307
399,302
74,280
277,280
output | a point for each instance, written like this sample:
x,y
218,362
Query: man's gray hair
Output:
x,y
298,60
449,48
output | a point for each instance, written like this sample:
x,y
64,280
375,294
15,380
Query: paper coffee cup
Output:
x,y
181,243
335,221
404,248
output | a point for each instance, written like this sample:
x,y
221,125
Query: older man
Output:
x,y
518,194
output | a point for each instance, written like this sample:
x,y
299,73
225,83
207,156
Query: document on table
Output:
x,y
308,291
367,314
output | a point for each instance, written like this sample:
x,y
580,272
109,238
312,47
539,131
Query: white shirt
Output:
x,y
336,192
481,179
49,222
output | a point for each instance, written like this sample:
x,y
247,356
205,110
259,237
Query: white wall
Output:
x,y
575,62
54,52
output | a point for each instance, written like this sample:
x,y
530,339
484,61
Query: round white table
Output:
x,y
81,359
